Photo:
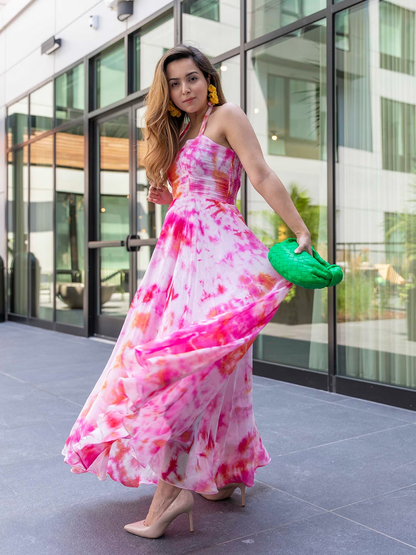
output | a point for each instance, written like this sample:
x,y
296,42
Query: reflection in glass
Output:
x,y
17,235
70,226
264,16
150,43
143,259
229,72
17,122
114,215
150,216
41,228
397,38
287,108
376,204
110,75
202,20
69,89
41,110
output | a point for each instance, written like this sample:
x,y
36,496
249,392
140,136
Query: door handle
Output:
x,y
129,246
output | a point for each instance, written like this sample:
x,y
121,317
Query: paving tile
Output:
x,y
309,425
89,524
378,408
30,443
324,534
393,514
345,472
273,399
35,405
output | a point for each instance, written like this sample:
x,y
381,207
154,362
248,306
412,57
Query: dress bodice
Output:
x,y
204,168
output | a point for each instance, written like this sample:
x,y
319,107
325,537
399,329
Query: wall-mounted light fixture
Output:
x,y
50,45
124,9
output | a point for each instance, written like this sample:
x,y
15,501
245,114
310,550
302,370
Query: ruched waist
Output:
x,y
206,191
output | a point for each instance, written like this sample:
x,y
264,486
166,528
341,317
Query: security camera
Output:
x,y
94,22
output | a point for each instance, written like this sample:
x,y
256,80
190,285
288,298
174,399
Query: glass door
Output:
x,y
125,225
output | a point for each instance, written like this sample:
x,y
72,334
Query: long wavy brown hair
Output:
x,y
162,130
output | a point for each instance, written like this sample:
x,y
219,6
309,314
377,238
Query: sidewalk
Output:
x,y
342,477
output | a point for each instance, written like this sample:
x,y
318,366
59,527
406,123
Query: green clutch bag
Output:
x,y
302,269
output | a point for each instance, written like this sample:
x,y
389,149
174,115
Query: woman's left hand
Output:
x,y
304,244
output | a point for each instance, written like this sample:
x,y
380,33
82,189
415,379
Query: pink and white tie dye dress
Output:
x,y
175,399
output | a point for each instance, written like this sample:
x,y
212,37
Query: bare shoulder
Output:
x,y
230,112
239,133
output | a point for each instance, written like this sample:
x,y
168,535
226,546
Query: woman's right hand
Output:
x,y
159,194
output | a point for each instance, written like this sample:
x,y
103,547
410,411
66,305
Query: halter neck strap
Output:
x,y
203,124
204,121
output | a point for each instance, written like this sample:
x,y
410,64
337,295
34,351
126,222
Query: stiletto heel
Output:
x,y
226,491
243,495
183,503
191,520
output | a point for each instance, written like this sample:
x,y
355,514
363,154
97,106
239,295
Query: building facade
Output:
x,y
330,90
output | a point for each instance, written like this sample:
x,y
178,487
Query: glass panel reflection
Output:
x,y
202,20
41,110
70,226
229,72
114,282
150,216
69,89
287,108
114,215
17,122
17,235
110,75
264,16
150,43
376,198
143,259
41,229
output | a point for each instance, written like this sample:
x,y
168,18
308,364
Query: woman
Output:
x,y
173,406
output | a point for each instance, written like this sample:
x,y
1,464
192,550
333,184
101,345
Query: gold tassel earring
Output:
x,y
174,111
213,94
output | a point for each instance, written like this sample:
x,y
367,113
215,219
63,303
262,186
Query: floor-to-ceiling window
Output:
x,y
376,192
286,104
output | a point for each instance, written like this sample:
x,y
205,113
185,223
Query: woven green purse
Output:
x,y
302,269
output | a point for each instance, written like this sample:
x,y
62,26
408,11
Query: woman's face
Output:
x,y
187,85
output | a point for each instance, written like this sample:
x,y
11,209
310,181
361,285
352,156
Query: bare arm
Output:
x,y
241,136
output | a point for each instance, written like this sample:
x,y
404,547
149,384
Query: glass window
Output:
x,y
342,31
150,43
110,75
41,110
286,104
41,229
69,89
17,234
70,268
17,122
264,16
375,212
211,25
397,38
114,215
229,72
398,136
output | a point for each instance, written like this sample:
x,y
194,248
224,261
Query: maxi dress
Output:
x,y
174,401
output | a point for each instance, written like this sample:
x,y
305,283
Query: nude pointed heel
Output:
x,y
183,503
191,520
226,491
